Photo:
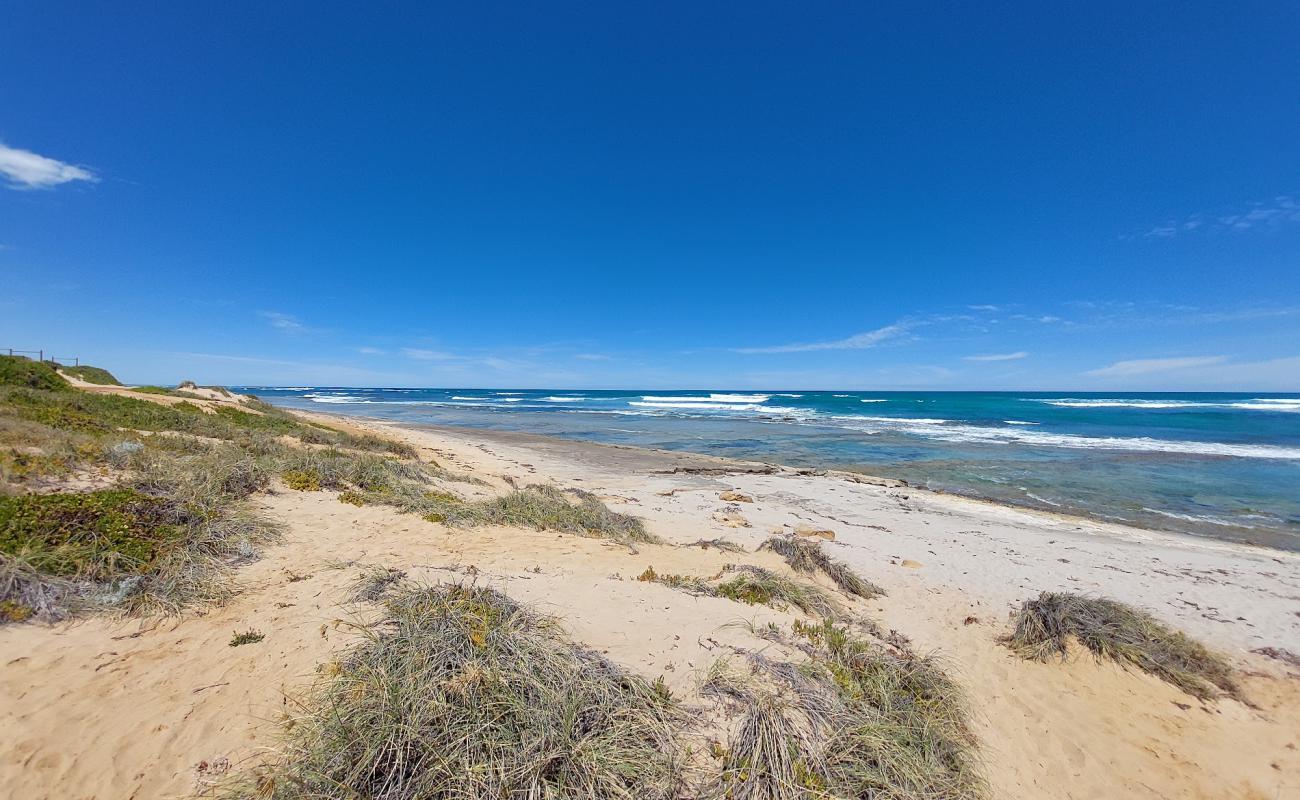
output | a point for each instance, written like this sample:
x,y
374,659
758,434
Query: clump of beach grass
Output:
x,y
1121,633
751,585
856,719
373,583
758,586
808,557
723,545
539,506
459,692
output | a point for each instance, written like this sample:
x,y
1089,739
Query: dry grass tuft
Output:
x,y
858,719
758,586
724,545
808,557
1121,633
461,693
374,583
537,506
752,585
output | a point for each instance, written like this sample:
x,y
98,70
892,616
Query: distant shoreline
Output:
x,y
652,461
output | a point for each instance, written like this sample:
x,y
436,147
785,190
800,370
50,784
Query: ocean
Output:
x,y
1225,466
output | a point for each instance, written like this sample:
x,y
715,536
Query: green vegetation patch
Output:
x,y
91,374
247,637
19,371
91,412
95,536
1121,633
460,692
302,480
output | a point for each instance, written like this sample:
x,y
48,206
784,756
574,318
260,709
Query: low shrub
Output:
x,y
302,480
28,374
459,692
91,374
1121,633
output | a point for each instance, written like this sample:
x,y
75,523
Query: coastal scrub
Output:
x,y
1120,633
461,692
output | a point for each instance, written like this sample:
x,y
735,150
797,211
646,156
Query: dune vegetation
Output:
x,y
89,374
461,692
1044,626
858,718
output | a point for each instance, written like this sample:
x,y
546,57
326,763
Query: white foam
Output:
x,y
907,420
873,400
977,434
464,397
339,399
1018,422
1206,518
1270,405
1040,499
713,398
1257,404
1070,402
564,399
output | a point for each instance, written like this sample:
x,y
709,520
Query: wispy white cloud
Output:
x,y
1279,211
860,341
27,170
420,354
984,307
370,351
286,323
593,357
1019,354
1147,366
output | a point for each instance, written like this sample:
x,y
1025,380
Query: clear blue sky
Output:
x,y
802,195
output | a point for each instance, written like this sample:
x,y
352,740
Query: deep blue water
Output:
x,y
1220,465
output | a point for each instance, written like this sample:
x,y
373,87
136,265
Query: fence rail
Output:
x,y
40,356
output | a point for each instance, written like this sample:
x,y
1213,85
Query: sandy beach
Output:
x,y
163,708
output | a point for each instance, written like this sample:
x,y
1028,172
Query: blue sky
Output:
x,y
826,195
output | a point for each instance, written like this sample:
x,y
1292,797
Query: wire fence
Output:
x,y
40,356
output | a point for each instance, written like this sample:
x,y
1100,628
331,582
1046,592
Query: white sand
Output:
x,y
104,709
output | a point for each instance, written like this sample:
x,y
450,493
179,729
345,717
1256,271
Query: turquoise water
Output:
x,y
1225,466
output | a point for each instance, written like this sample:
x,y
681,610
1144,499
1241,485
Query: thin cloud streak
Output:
x,y
1147,366
999,356
420,354
286,323
860,341
27,170
1272,214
